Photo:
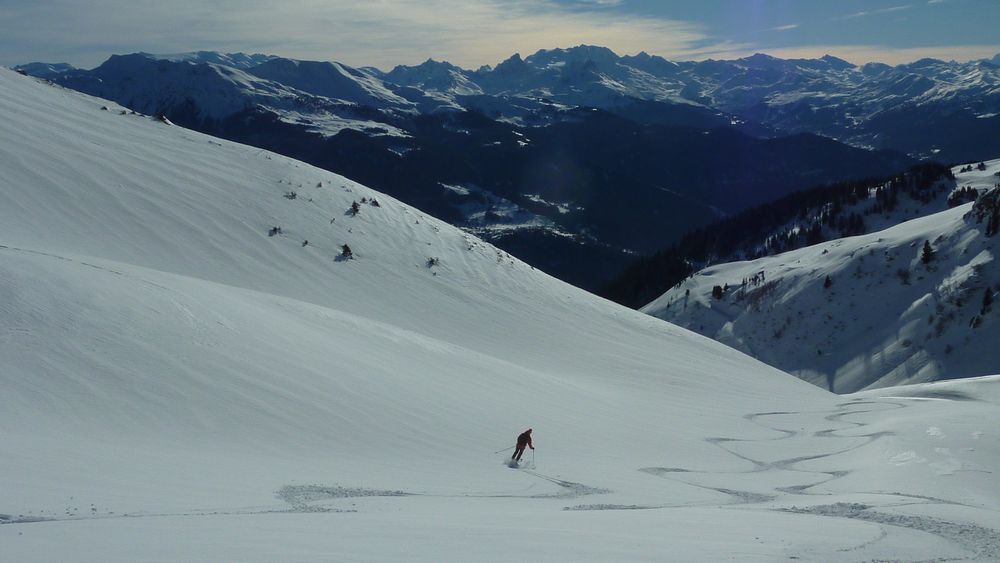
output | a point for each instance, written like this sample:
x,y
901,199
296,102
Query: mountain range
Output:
x,y
507,151
863,105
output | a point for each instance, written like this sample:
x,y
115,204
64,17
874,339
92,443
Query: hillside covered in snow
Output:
x,y
907,304
211,352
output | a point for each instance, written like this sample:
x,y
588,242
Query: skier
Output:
x,y
523,439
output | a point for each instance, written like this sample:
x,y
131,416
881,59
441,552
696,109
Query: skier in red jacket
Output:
x,y
523,439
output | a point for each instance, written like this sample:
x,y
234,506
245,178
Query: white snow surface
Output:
x,y
886,319
176,385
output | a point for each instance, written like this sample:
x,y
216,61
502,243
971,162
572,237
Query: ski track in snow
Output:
x,y
303,498
6,248
983,542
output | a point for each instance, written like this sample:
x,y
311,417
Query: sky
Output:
x,y
471,33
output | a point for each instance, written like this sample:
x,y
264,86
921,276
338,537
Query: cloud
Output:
x,y
603,3
384,33
852,16
892,9
374,32
864,13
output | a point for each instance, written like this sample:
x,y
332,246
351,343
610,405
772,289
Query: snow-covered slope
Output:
x,y
179,385
884,317
236,60
332,80
203,90
434,76
46,70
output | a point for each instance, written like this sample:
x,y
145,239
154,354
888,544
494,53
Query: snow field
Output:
x,y
175,384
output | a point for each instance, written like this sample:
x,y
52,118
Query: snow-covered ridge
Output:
x,y
827,95
865,311
867,105
212,88
236,60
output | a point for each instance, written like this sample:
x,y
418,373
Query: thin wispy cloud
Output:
x,y
892,9
864,13
784,27
602,3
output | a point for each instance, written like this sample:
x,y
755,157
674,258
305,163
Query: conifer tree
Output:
x,y
927,254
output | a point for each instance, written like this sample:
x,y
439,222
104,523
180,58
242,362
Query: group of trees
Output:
x,y
987,210
345,251
797,220
968,168
356,207
962,195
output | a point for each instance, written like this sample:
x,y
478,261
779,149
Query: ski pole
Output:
x,y
505,449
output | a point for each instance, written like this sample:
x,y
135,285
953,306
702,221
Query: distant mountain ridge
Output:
x,y
574,159
236,60
866,105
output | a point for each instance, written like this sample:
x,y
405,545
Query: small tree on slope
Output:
x,y
927,254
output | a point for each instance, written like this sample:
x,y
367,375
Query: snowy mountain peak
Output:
x,y
511,63
332,80
923,64
837,63
236,60
760,60
578,54
45,70
872,69
435,76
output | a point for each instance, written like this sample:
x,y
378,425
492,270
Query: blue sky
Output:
x,y
471,33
